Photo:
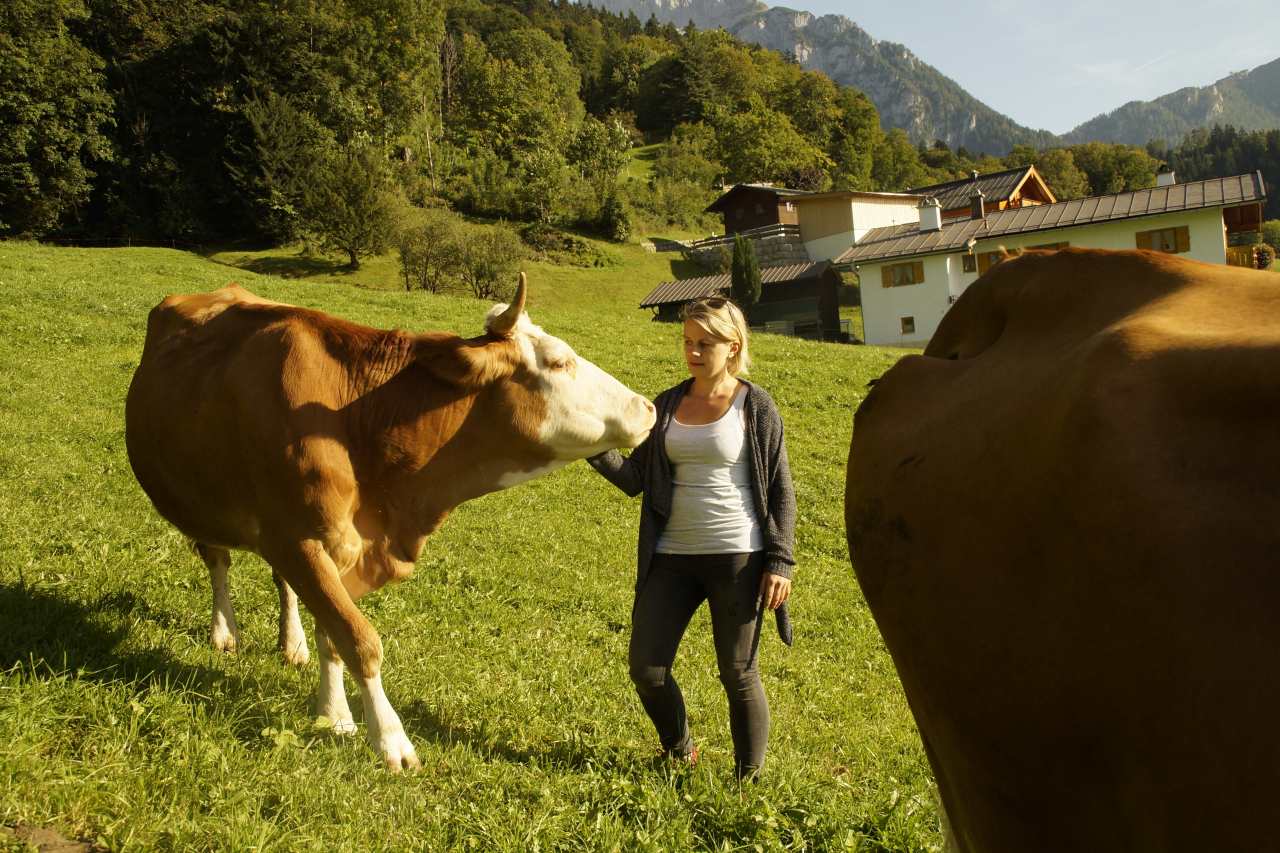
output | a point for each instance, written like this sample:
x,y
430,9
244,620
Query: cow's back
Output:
x,y
1063,519
226,383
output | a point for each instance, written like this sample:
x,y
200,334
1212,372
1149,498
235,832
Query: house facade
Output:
x,y
832,222
911,274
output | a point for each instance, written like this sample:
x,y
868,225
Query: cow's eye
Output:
x,y
560,364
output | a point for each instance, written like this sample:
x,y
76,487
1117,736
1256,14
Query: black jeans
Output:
x,y
675,588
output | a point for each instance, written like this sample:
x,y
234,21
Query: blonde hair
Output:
x,y
723,320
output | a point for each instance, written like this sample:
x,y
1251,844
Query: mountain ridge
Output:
x,y
908,92
1248,100
912,95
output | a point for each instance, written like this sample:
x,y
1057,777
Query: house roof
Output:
x,y
896,241
996,186
686,289
781,192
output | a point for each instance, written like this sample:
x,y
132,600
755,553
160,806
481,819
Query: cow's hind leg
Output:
x,y
224,632
331,696
310,570
293,641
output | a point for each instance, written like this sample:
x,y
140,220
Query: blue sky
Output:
x,y
1055,65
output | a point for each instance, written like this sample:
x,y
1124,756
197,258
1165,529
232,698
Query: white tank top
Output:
x,y
712,511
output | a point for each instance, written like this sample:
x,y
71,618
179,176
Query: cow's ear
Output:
x,y
502,324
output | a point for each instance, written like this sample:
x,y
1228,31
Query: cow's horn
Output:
x,y
506,321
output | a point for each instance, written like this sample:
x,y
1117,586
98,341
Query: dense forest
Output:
x,y
245,119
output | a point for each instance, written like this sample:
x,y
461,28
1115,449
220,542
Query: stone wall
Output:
x,y
774,250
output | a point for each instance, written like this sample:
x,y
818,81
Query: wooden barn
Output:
x,y
747,206
795,299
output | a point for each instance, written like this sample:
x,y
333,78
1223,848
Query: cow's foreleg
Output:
x,y
293,641
331,696
310,570
224,632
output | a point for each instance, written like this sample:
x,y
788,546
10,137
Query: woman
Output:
x,y
717,523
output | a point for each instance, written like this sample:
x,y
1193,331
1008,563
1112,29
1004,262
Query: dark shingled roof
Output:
x,y
781,192
996,186
897,241
687,289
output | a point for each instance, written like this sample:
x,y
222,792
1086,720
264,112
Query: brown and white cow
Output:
x,y
334,449
1065,517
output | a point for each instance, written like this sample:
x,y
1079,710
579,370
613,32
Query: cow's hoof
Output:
x,y
398,753
297,654
225,640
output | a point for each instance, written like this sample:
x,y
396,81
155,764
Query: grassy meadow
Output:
x,y
505,652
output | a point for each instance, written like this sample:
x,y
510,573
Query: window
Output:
x,y
898,275
968,263
987,260
1171,240
908,325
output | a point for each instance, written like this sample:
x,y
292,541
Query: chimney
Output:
x,y
977,210
1165,177
930,215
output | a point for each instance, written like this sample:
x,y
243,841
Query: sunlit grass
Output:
x,y
505,652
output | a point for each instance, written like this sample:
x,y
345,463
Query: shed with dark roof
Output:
x,y
803,297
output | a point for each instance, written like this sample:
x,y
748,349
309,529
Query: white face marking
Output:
x,y
588,411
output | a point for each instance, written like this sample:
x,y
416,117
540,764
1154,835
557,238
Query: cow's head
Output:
x,y
583,410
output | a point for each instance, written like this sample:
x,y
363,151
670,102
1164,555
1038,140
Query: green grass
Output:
x,y
505,651
640,161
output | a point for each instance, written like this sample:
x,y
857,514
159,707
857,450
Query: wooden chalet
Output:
x,y
798,299
1011,188
746,206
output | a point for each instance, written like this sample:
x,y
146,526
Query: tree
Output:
x,y
54,112
745,274
599,151
431,252
268,166
896,166
760,144
1271,232
349,204
490,254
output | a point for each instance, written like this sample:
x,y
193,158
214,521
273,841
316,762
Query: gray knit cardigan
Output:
x,y
648,470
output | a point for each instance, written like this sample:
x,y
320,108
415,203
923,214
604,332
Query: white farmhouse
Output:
x,y
912,272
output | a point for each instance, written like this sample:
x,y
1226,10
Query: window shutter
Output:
x,y
886,276
917,272
1183,237
1144,239
984,262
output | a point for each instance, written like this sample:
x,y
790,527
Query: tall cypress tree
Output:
x,y
745,274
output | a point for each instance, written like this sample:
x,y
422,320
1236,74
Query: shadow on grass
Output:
x,y
667,244
689,269
53,637
576,755
295,266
